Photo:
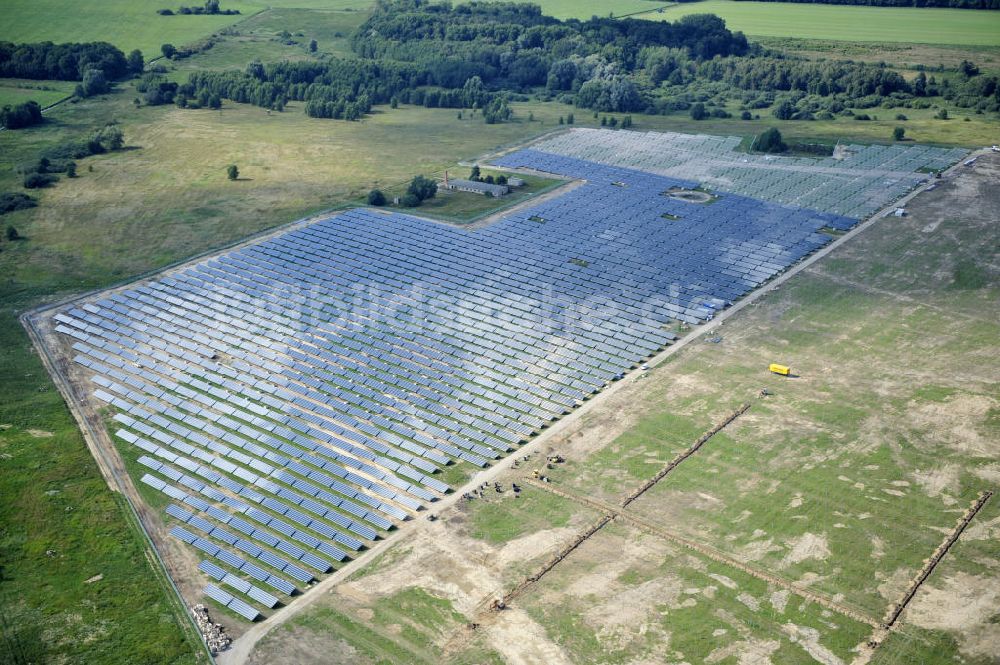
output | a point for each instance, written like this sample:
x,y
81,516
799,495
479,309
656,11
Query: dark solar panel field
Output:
x,y
298,397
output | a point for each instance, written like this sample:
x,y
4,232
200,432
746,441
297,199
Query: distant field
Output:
x,y
128,24
17,91
852,23
584,9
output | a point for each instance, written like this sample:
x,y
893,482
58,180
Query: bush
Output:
x,y
9,202
901,117
942,114
784,111
411,201
422,188
746,115
698,111
770,141
898,133
94,83
232,172
21,115
376,198
39,180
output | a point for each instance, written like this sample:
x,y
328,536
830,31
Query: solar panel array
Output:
x,y
297,398
864,180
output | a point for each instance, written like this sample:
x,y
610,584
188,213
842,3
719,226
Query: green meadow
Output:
x,y
851,23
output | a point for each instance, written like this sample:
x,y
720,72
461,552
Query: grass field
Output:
x,y
128,24
907,57
464,207
18,91
584,9
853,23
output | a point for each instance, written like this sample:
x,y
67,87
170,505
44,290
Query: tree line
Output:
x,y
64,62
484,55
953,4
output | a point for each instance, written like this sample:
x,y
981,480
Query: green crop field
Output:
x,y
852,23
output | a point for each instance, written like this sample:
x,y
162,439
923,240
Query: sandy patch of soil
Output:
x,y
534,545
747,652
806,546
39,433
964,605
724,581
808,639
953,422
524,642
980,530
758,549
990,473
625,617
301,645
878,548
779,599
936,481
893,585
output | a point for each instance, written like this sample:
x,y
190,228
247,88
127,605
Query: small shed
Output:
x,y
473,186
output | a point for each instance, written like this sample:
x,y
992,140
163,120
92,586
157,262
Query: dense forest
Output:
x,y
953,4
469,56
484,55
64,62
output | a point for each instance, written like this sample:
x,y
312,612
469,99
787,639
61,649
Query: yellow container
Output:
x,y
779,369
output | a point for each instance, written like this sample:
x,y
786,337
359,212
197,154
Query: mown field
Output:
x,y
853,23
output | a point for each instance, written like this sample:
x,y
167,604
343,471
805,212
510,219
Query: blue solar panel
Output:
x,y
461,344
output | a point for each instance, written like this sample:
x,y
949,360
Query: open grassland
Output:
x,y
18,91
128,24
76,583
257,38
465,207
626,596
899,56
847,22
842,482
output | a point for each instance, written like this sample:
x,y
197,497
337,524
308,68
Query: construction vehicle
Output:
x,y
783,370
